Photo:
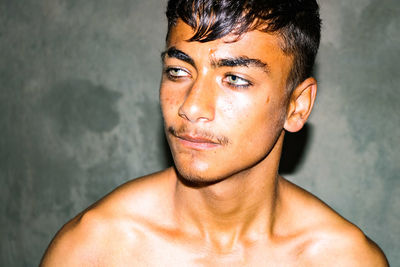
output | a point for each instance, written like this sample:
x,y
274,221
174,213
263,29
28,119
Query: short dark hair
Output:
x,y
297,22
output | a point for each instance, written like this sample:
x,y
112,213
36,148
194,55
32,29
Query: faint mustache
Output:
x,y
218,139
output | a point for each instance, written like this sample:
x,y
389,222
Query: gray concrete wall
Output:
x,y
79,114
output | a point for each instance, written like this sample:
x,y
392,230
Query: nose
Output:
x,y
199,103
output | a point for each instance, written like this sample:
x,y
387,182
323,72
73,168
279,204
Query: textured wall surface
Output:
x,y
79,114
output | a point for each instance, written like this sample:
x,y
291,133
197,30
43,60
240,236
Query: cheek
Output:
x,y
234,108
254,119
168,101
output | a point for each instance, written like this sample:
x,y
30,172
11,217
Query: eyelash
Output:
x,y
246,85
172,77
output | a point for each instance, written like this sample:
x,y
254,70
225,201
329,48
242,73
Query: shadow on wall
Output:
x,y
294,148
166,152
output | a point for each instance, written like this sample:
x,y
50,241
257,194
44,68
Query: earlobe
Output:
x,y
300,105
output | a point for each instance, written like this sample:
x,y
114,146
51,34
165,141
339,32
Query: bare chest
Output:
x,y
161,252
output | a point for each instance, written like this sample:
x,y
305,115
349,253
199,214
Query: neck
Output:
x,y
240,206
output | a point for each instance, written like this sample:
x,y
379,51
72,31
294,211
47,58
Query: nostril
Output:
x,y
182,114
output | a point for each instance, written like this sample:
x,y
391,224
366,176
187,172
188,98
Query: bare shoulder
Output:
x,y
330,239
98,234
343,245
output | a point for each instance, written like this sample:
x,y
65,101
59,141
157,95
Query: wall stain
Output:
x,y
79,105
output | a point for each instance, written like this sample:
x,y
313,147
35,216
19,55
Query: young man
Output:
x,y
236,76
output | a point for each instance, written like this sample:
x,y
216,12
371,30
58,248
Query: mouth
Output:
x,y
194,140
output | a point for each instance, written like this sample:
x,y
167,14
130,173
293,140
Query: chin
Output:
x,y
197,177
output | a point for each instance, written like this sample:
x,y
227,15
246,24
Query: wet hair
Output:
x,y
296,21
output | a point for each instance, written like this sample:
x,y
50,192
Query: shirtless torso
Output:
x,y
138,225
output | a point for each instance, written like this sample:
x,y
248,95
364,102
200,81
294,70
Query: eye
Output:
x,y
176,73
237,81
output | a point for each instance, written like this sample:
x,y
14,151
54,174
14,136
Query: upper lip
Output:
x,y
196,139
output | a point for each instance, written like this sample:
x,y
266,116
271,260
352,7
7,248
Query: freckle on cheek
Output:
x,y
170,101
267,100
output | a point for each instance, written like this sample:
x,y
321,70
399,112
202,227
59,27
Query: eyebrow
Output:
x,y
241,61
175,53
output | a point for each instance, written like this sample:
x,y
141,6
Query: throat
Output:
x,y
228,213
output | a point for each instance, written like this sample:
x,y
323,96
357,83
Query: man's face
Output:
x,y
224,102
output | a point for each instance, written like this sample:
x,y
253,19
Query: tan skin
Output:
x,y
224,202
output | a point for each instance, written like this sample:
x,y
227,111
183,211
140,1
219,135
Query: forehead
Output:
x,y
254,44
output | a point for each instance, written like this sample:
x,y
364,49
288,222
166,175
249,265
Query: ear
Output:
x,y
300,105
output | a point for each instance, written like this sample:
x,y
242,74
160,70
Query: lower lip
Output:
x,y
197,145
